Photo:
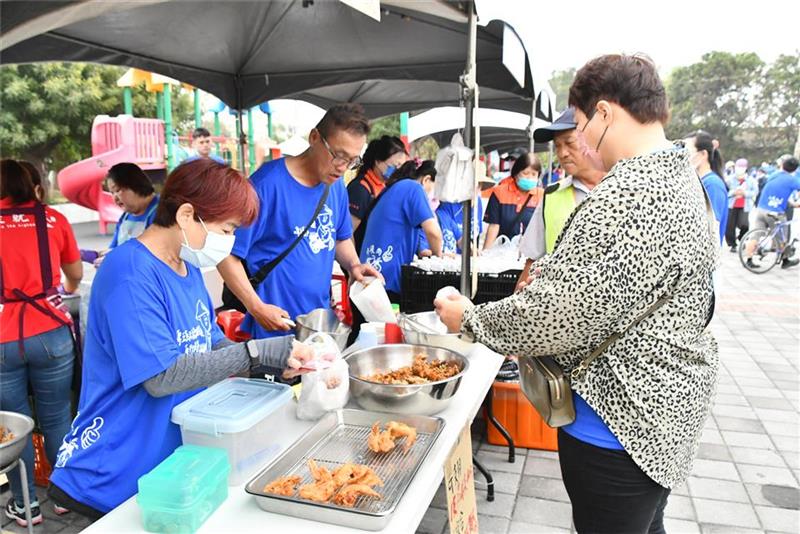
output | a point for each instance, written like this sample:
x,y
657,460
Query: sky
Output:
x,y
563,34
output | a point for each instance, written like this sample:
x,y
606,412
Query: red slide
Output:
x,y
114,140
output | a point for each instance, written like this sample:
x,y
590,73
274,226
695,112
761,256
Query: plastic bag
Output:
x,y
455,178
327,386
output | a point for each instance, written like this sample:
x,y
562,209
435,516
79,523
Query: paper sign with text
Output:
x,y
459,481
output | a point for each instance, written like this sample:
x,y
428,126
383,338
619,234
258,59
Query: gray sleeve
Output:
x,y
192,371
532,243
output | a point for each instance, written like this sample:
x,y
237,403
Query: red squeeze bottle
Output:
x,y
393,334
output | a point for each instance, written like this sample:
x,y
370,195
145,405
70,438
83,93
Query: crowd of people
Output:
x,y
600,245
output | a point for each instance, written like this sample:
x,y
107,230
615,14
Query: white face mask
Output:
x,y
216,248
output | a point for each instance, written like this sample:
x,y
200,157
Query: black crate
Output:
x,y
419,287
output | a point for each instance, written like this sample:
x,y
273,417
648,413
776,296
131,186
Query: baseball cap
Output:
x,y
565,121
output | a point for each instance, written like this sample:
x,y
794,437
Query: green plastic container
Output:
x,y
184,490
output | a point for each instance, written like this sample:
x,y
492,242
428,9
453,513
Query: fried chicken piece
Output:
x,y
285,486
319,474
421,371
319,491
356,474
401,430
380,441
347,495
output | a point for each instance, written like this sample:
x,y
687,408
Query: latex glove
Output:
x,y
300,356
451,311
271,317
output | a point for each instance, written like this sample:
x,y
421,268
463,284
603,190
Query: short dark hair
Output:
x,y
631,82
525,160
427,168
15,182
380,149
348,117
130,176
200,132
215,190
790,164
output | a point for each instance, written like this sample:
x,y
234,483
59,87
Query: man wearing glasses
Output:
x,y
291,191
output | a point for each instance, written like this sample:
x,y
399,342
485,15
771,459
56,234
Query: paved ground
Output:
x,y
746,476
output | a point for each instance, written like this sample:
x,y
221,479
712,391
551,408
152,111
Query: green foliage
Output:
x,y
752,108
47,109
559,83
389,125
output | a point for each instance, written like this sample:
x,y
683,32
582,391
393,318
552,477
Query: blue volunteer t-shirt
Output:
x,y
451,220
142,317
391,239
130,226
718,195
777,191
589,427
301,282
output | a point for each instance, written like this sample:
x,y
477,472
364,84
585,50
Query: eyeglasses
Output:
x,y
352,164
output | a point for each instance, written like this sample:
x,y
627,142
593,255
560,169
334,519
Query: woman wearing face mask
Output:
x,y
742,193
514,199
381,158
635,258
152,340
706,159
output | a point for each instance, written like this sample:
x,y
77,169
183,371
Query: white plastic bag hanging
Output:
x,y
326,387
455,172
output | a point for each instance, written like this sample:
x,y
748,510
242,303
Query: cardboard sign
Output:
x,y
459,481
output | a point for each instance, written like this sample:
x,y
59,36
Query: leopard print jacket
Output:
x,y
641,233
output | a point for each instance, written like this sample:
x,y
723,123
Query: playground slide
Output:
x,y
114,140
82,183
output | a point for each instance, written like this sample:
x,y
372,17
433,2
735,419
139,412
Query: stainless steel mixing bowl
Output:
x,y
19,425
417,399
322,320
430,320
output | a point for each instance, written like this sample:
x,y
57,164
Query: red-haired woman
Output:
x,y
152,341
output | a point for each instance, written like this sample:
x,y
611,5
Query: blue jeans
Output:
x,y
47,363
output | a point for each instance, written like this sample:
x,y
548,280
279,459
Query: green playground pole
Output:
x,y
168,126
217,130
239,150
268,150
160,106
127,100
404,128
198,120
251,140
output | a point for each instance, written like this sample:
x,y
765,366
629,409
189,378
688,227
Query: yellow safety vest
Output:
x,y
558,205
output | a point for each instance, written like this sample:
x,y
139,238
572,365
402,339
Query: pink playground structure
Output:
x,y
114,140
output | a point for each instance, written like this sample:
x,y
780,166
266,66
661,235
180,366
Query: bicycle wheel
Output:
x,y
765,247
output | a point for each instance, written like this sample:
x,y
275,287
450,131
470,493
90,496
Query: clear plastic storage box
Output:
x,y
246,417
183,490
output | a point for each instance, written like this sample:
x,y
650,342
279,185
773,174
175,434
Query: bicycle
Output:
x,y
769,249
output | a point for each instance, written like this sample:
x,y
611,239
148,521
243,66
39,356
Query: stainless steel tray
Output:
x,y
341,437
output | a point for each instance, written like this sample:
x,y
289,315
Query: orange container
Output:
x,y
518,416
41,467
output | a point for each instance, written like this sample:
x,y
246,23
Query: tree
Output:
x,y
779,104
560,82
717,94
46,109
389,125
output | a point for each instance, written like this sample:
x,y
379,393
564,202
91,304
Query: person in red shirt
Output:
x,y
36,342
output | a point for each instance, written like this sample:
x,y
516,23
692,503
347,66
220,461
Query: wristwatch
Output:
x,y
252,351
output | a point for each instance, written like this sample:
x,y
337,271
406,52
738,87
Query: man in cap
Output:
x,y
582,175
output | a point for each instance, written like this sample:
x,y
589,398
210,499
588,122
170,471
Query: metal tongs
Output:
x,y
417,325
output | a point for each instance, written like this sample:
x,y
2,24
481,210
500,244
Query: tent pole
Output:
x,y
239,126
468,97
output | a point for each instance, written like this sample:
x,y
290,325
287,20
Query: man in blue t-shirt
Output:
x,y
290,189
201,143
773,202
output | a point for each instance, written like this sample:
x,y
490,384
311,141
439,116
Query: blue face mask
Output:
x,y
389,171
526,184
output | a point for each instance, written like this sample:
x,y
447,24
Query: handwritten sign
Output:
x,y
459,480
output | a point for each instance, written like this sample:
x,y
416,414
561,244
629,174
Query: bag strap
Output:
x,y
264,271
584,365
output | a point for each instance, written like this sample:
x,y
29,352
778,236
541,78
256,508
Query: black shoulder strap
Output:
x,y
42,239
264,271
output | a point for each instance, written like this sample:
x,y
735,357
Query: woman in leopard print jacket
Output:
x,y
643,232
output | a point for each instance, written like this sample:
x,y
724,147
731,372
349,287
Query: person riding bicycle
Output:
x,y
772,207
